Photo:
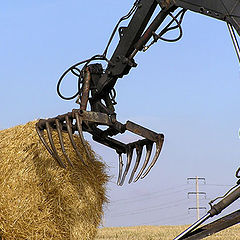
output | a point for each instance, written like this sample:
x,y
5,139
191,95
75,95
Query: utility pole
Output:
x,y
197,198
197,193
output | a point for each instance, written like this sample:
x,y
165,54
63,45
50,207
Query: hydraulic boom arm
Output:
x,y
134,37
96,85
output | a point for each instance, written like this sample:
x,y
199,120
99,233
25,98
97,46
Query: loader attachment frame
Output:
x,y
81,120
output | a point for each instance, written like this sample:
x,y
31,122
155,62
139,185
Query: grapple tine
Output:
x,y
69,130
159,145
43,140
139,154
79,128
129,160
59,131
49,133
120,169
148,154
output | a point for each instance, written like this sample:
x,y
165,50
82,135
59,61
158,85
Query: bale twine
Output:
x,y
40,200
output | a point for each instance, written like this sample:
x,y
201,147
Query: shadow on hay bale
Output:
x,y
38,199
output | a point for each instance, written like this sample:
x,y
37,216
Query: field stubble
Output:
x,y
159,233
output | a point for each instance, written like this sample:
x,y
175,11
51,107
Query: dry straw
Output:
x,y
38,199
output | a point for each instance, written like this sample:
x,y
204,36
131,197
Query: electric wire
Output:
x,y
148,196
170,218
221,197
159,191
166,204
161,194
219,185
161,207
129,213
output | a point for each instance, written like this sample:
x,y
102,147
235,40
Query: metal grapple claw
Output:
x,y
120,169
129,160
148,155
139,150
51,151
62,123
79,120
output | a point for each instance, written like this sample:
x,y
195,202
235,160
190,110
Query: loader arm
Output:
x,y
134,37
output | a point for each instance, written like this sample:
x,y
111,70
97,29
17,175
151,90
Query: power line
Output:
x,y
219,185
160,205
159,193
148,196
170,218
146,210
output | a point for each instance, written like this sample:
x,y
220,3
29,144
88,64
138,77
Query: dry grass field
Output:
x,y
159,233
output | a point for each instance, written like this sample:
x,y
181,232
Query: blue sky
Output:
x,y
187,90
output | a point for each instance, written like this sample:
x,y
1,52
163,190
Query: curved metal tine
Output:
x,y
120,169
55,154
69,130
148,154
59,131
129,160
159,145
139,150
43,140
80,132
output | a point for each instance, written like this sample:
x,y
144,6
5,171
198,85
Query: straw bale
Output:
x,y
40,200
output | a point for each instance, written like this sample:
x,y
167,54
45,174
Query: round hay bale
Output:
x,y
40,200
